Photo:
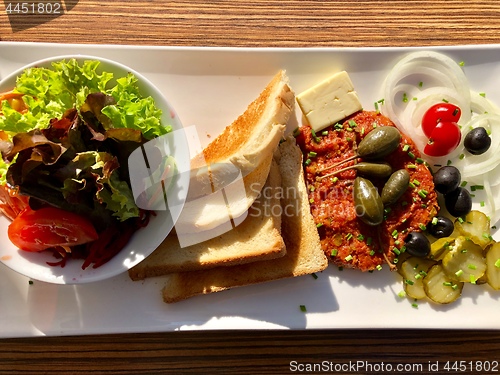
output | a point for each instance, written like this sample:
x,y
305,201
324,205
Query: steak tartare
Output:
x,y
345,238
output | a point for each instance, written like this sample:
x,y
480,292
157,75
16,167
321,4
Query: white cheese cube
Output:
x,y
329,101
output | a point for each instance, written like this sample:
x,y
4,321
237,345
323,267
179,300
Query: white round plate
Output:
x,y
145,240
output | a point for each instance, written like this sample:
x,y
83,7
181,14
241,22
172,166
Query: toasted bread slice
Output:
x,y
245,146
304,254
256,238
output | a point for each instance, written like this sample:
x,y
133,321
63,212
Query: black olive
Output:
x,y
477,141
417,244
458,202
442,228
447,179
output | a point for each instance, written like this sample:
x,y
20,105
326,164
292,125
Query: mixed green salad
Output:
x,y
66,133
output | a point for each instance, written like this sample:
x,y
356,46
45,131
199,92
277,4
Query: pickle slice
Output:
x,y
439,287
465,261
441,247
476,226
414,270
493,265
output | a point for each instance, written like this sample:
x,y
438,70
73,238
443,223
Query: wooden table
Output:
x,y
294,23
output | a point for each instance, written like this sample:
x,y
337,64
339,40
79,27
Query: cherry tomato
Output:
x,y
438,113
37,230
444,139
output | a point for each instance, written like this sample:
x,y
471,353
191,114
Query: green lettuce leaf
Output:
x,y
134,111
112,191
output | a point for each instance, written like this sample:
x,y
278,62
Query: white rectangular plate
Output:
x,y
209,88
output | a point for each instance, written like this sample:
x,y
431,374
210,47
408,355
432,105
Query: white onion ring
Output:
x,y
442,79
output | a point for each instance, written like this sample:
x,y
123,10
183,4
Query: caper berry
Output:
x,y
458,202
477,141
417,244
447,179
395,186
369,206
379,142
440,227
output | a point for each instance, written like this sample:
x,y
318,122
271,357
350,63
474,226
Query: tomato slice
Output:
x,y
37,230
439,113
444,139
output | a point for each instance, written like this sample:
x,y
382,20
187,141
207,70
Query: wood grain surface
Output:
x,y
262,23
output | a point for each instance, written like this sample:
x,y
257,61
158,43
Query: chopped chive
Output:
x,y
406,147
303,308
418,276
463,183
434,220
402,294
412,185
471,266
472,279
396,251
308,161
334,252
376,106
394,233
348,258
319,225
315,277
411,155
447,283
419,160
409,282
459,273
379,267
311,200
461,63
445,100
414,305
335,179
461,156
448,162
325,132
420,84
352,123
369,241
497,263
296,132
422,226
483,94
372,253
360,237
423,193
312,154
348,236
30,282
